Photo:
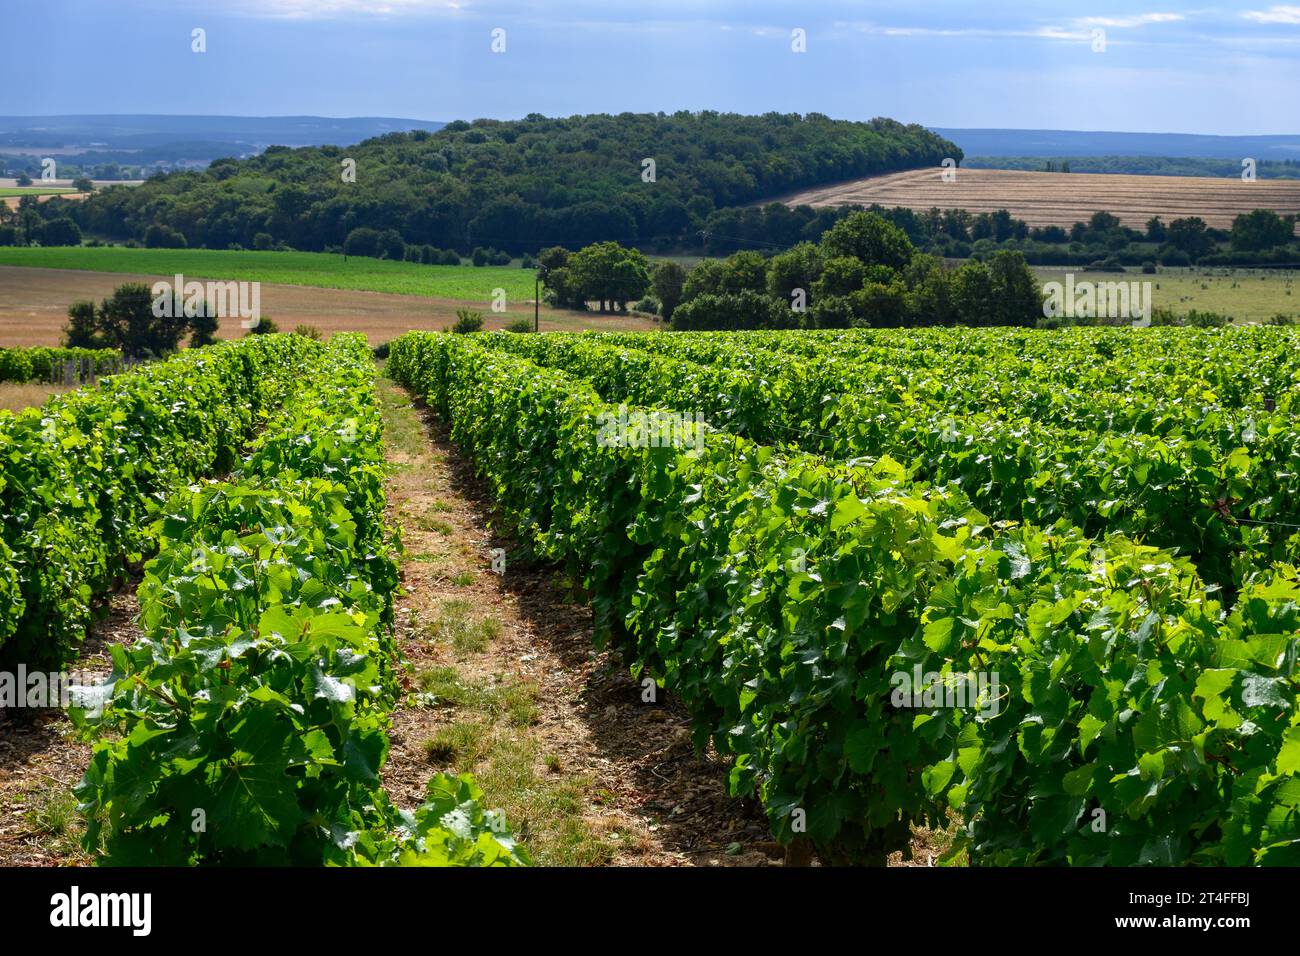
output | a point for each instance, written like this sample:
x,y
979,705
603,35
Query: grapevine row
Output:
x,y
780,596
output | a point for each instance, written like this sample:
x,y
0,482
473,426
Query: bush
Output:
x,y
500,259
60,232
467,320
264,326
263,242
480,256
362,241
308,332
520,325
449,258
744,310
164,237
1148,268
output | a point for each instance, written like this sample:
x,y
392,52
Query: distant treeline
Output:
x,y
1257,238
1139,165
514,185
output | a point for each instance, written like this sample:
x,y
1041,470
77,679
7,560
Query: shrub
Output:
x,y
520,325
308,332
159,236
265,326
60,232
468,320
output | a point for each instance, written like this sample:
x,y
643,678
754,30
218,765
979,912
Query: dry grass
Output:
x,y
34,308
1062,199
15,398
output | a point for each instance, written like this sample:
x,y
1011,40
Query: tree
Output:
x,y
610,274
745,272
82,330
82,184
1261,229
1191,236
705,278
668,279
265,325
842,275
23,179
391,245
870,238
362,241
797,268
126,320
973,294
744,310
1155,230
1017,296
60,232
164,237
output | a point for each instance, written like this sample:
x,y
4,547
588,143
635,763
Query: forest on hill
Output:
x,y
515,185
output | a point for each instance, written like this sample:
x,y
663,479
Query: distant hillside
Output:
x,y
512,185
1065,143
144,141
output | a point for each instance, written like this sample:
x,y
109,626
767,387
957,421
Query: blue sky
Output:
x,y
1233,68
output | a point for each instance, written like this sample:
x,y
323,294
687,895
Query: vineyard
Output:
x,y
1038,591
1102,522
247,724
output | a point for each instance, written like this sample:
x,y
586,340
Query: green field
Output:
x,y
8,191
1248,295
290,268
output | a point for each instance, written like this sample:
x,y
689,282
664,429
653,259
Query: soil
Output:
x,y
644,781
41,757
34,308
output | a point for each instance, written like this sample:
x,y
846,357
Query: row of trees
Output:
x,y
863,272
958,234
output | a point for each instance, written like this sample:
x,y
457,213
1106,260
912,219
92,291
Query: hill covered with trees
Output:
x,y
514,185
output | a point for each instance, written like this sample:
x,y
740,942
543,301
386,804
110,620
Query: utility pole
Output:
x,y
537,301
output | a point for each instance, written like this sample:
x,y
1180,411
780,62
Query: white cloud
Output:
x,y
331,9
1126,23
1274,15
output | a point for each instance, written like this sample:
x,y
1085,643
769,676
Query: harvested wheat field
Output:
x,y
1062,199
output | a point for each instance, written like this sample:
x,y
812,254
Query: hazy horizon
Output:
x,y
1170,67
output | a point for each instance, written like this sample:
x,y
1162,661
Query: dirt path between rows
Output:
x,y
505,683
42,759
